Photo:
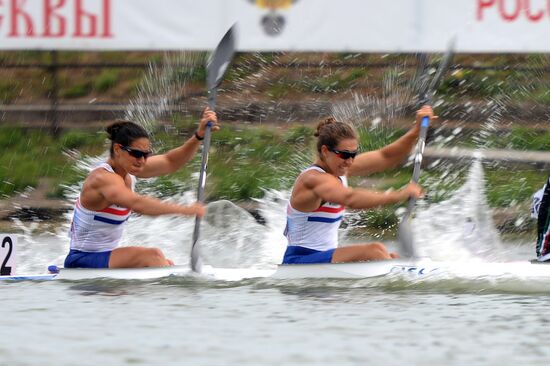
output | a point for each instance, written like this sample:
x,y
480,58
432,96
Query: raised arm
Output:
x,y
174,159
392,155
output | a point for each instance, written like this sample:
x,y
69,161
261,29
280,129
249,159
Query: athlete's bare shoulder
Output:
x,y
312,178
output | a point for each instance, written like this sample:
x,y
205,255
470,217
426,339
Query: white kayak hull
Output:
x,y
75,274
407,267
122,273
355,270
411,267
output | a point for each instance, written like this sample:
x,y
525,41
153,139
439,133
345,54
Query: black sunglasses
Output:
x,y
344,154
138,154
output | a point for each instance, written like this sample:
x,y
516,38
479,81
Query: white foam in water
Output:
x,y
460,228
232,238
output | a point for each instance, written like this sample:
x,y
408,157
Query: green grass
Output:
x,y
509,188
518,138
26,156
194,74
373,139
477,84
279,89
8,91
331,83
76,90
106,80
522,138
243,162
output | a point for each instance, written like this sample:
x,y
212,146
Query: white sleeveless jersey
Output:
x,y
98,231
317,230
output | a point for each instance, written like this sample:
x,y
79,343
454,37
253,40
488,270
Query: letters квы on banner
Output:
x,y
277,25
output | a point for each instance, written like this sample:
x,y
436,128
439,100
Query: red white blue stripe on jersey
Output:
x,y
327,213
113,214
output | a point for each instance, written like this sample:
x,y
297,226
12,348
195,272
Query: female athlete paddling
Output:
x,y
321,193
107,198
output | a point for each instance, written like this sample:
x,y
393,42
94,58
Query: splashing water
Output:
x,y
232,238
368,111
162,89
460,228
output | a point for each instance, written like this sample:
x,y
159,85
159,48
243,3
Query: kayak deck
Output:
x,y
76,274
112,273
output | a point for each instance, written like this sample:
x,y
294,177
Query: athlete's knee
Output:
x,y
378,251
156,253
377,246
154,257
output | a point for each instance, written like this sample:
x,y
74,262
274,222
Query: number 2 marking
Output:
x,y
6,271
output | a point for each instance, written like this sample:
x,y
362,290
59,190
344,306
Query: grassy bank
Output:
x,y
28,155
244,160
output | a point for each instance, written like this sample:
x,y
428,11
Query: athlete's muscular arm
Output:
x,y
329,188
392,155
113,189
176,158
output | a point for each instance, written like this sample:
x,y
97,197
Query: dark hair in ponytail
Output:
x,y
330,132
124,133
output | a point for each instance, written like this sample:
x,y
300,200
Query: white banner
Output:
x,y
278,25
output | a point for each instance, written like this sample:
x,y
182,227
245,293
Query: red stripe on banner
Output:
x,y
330,209
115,211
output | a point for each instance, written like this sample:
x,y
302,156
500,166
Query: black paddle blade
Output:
x,y
442,69
219,61
427,94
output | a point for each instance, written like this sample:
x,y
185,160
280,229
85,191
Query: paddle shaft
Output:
x,y
195,255
424,126
405,235
405,231
425,123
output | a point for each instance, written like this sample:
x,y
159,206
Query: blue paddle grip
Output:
x,y
425,121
